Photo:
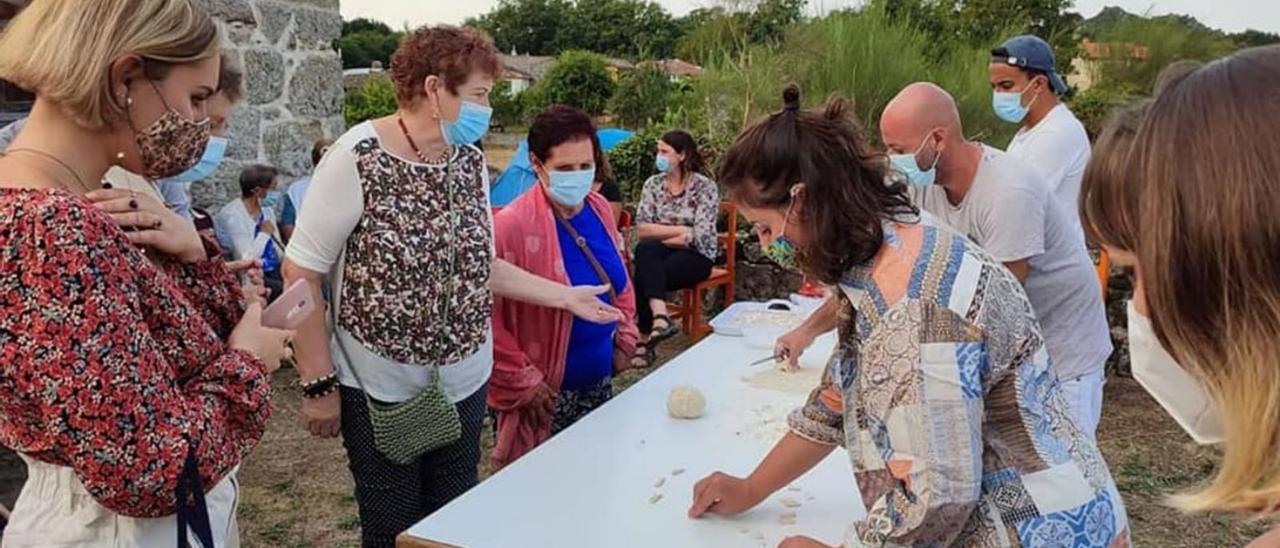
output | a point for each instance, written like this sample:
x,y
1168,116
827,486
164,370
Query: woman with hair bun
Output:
x,y
940,387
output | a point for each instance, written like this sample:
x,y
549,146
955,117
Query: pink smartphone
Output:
x,y
293,306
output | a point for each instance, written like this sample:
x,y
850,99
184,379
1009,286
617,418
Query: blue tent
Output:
x,y
519,176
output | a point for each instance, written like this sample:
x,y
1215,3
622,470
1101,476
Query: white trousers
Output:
x,y
1084,397
54,509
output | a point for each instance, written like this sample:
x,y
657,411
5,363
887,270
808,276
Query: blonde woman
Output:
x,y
1195,203
116,385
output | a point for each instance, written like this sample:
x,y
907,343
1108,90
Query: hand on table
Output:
x,y
723,495
582,301
792,345
149,223
801,541
543,404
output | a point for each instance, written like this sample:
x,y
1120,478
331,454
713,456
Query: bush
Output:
x,y
1092,106
863,56
508,110
642,97
632,163
374,99
1162,40
578,78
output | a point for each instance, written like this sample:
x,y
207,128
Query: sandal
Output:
x,y
643,356
657,336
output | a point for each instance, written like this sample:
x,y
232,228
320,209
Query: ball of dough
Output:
x,y
686,402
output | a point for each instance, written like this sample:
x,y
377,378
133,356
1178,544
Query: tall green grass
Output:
x,y
863,56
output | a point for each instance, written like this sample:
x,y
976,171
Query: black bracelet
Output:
x,y
320,387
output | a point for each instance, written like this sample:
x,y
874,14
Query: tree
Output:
x,y
507,107
711,32
642,96
376,98
526,26
578,78
1251,38
364,41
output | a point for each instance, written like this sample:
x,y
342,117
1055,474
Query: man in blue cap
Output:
x,y
1051,140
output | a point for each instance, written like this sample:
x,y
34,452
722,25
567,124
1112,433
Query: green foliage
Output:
x,y
632,163
1140,47
1092,106
508,110
865,56
376,98
619,28
1253,38
578,78
364,41
713,32
642,96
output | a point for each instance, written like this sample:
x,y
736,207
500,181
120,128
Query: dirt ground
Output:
x,y
297,491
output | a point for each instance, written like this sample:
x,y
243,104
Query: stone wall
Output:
x,y
293,88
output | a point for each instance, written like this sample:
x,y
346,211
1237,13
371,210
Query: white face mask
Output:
x,y
1172,386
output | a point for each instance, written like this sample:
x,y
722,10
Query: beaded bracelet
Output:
x,y
321,387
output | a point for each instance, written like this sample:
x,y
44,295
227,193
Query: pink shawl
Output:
x,y
530,341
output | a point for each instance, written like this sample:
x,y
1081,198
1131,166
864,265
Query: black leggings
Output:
x,y
393,497
660,270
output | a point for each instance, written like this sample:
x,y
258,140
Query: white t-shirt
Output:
x,y
1058,149
332,209
1011,214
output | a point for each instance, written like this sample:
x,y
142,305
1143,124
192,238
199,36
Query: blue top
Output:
x,y
289,216
589,360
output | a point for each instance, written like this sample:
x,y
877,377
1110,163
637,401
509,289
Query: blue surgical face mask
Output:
x,y
272,201
208,163
909,166
662,163
471,125
1008,104
570,188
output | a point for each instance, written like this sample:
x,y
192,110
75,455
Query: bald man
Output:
x,y
1008,209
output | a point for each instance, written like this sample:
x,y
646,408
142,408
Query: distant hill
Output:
x,y
1111,15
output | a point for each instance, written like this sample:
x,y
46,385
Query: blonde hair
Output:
x,y
62,50
1206,160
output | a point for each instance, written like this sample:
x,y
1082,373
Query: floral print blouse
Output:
x,y
941,392
698,207
114,367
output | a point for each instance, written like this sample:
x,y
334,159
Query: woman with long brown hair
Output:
x,y
940,387
1198,210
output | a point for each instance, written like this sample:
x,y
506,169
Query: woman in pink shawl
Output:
x,y
550,369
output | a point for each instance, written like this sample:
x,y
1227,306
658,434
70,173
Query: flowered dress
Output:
x,y
113,367
941,392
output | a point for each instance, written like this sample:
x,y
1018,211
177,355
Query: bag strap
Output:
x,y
333,307
591,256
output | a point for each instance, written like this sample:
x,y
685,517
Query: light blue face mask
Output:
x,y
909,166
272,201
662,163
570,188
1008,104
208,163
471,125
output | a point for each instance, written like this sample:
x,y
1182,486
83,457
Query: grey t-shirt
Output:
x,y
1011,213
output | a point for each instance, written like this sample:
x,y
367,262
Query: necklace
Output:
x,y
405,129
61,163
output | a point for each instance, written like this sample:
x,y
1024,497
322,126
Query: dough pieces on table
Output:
x,y
686,402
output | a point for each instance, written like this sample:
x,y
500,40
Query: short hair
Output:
x,y
318,149
559,124
256,176
62,50
450,52
230,79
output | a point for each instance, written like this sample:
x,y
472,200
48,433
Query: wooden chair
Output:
x,y
624,229
689,309
1104,272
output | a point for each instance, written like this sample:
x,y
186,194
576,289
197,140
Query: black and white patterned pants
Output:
x,y
393,497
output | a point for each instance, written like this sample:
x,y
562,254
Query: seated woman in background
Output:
x,y
1204,241
676,224
551,368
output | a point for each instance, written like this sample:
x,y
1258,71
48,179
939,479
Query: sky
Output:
x,y
1228,15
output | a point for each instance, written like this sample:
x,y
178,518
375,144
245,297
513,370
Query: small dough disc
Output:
x,y
686,402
